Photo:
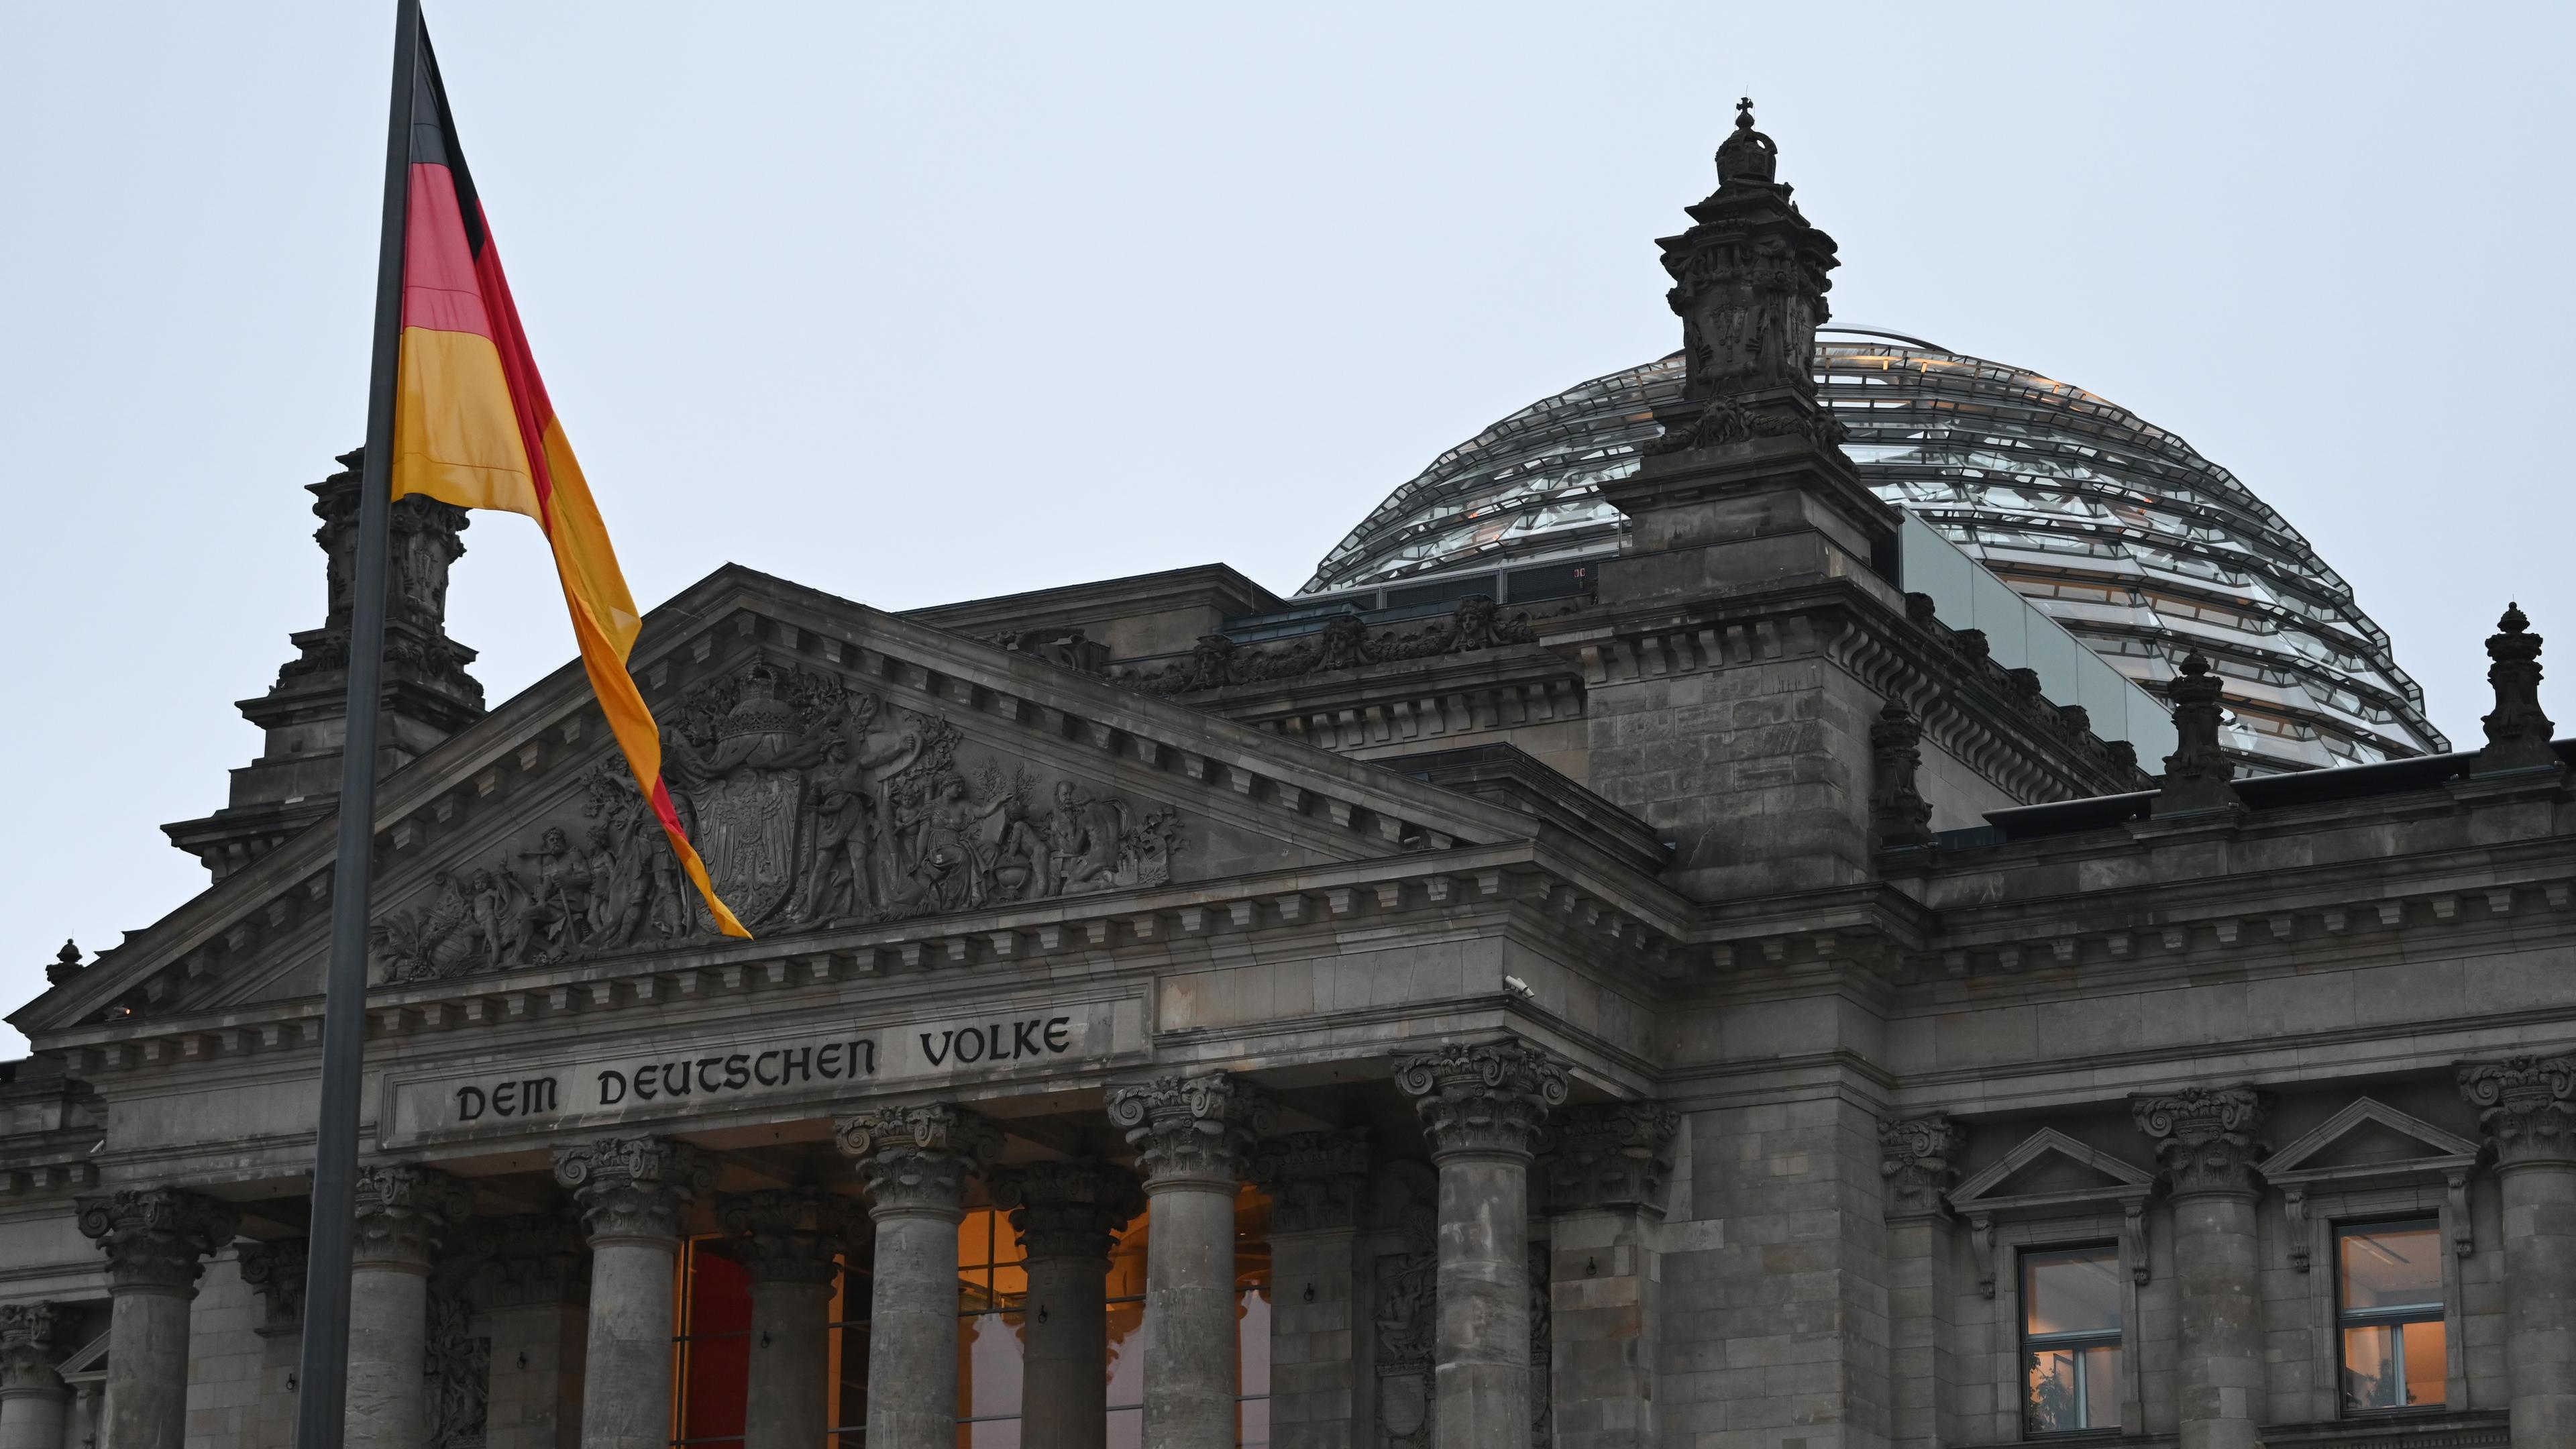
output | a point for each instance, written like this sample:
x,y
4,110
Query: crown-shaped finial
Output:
x,y
1746,156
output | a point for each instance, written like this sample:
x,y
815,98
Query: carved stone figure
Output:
x,y
459,1370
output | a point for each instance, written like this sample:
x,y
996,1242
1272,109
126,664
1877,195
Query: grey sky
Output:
x,y
929,302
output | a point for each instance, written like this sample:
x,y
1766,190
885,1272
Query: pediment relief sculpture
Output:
x,y
814,805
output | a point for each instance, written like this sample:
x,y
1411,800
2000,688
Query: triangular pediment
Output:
x,y
2368,1139
2050,1167
838,765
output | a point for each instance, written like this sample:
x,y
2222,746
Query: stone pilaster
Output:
x,y
1607,1165
1916,1166
1067,1215
1483,1107
2518,731
2527,1108
789,1240
1320,1371
532,1288
276,1272
914,1162
157,1241
1193,1137
404,1216
2207,1141
33,1396
632,1191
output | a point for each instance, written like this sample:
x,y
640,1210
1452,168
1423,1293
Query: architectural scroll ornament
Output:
x,y
1346,642
917,1159
814,806
1918,1158
633,1187
1315,1180
405,1213
1492,1097
277,1271
2205,1139
2526,1106
1191,1130
157,1237
1068,1209
788,1234
1609,1155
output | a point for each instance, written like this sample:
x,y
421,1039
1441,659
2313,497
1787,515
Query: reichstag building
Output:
x,y
1816,893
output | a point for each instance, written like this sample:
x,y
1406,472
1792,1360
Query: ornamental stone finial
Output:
x,y
917,1159
1610,1155
1492,1097
1315,1181
1191,1131
1918,1157
157,1237
633,1187
1068,1209
2198,773
2518,731
404,1214
787,1234
1898,813
277,1271
2526,1106
65,965
2206,1139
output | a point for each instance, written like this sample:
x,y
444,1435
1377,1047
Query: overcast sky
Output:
x,y
918,303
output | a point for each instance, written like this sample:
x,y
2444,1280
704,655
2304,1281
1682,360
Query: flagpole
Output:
x,y
321,1403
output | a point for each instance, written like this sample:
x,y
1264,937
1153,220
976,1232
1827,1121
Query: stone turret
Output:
x,y
428,695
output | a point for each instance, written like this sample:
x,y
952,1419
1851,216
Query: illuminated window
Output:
x,y
2070,1338
2395,1350
711,1348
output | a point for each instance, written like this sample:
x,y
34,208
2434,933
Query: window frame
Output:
x,y
2344,1318
2024,1345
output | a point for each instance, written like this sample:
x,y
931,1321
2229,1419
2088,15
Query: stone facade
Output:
x,y
1626,1042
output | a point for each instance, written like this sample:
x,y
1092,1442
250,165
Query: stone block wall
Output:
x,y
226,1356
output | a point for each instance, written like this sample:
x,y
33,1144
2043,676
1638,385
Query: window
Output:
x,y
712,1349
2070,1338
2389,1311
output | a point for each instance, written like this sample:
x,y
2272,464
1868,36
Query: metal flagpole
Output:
x,y
323,1381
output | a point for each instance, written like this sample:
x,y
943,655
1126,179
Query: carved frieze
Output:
x,y
1345,642
1609,1155
1917,1157
1492,1097
276,1270
1195,1130
813,805
2526,1106
406,1212
787,1235
157,1237
1068,1209
633,1187
917,1159
2207,1140
1314,1180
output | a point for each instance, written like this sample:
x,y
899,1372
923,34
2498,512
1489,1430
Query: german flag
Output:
x,y
472,427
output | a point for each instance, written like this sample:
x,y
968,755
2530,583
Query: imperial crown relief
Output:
x,y
814,805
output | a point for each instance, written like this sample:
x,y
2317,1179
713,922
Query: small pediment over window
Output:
x,y
2047,1169
2369,1140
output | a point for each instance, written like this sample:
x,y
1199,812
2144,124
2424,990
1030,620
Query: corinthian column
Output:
x,y
914,1162
32,1394
787,1240
1193,1139
1317,1183
2206,1141
1607,1166
1483,1107
631,1191
1067,1214
2526,1113
404,1214
156,1241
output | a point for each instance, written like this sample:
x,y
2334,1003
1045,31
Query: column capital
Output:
x,y
527,1261
1315,1180
1609,1155
1068,1209
787,1234
1917,1156
404,1214
157,1238
917,1159
2206,1138
633,1187
33,1339
2526,1106
277,1271
1191,1131
1488,1098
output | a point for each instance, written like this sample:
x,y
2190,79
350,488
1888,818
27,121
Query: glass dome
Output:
x,y
2117,529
